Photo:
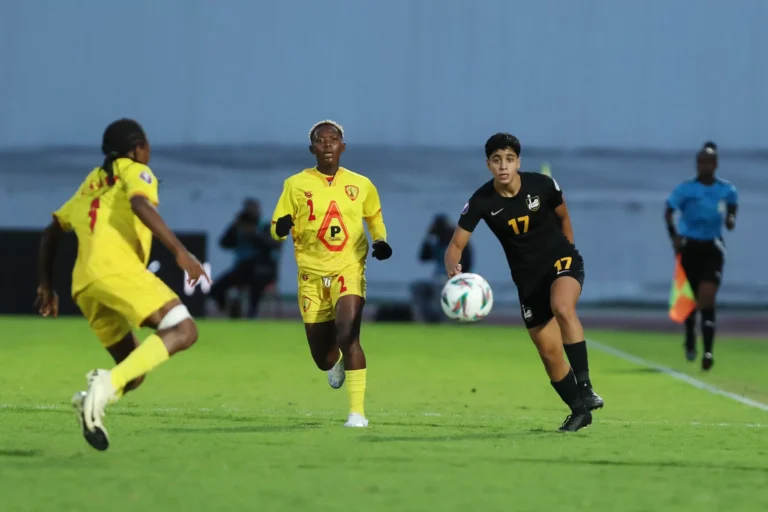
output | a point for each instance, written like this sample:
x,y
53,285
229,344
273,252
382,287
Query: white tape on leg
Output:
x,y
174,317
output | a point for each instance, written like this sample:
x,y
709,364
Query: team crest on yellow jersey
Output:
x,y
333,232
352,191
305,303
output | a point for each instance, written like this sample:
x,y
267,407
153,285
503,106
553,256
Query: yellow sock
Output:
x,y
355,383
147,356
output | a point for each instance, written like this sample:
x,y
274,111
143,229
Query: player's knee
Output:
x,y
347,335
563,310
188,333
182,326
705,298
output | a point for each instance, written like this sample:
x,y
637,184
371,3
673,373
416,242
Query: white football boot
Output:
x,y
100,393
336,375
356,421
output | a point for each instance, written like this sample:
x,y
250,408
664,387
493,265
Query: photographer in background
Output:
x,y
426,294
256,257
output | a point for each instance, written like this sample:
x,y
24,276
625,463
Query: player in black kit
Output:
x,y
527,213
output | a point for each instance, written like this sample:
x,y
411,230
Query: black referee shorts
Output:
x,y
702,260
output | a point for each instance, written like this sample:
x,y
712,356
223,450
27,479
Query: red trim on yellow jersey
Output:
x,y
328,180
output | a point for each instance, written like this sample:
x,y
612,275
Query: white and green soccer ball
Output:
x,y
466,298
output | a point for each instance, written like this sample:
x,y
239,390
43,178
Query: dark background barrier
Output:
x,y
18,261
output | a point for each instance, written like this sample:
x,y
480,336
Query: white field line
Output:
x,y
698,384
382,414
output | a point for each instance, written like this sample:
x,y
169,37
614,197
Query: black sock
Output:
x,y
708,329
568,389
690,332
577,356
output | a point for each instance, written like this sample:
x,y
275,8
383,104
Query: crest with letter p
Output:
x,y
352,191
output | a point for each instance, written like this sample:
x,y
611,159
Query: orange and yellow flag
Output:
x,y
681,299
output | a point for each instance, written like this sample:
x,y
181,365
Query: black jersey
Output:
x,y
526,225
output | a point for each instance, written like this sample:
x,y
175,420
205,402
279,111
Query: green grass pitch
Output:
x,y
462,418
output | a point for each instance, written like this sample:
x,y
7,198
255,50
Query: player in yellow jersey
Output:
x,y
114,217
324,209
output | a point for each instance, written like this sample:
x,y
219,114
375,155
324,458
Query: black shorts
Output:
x,y
702,260
536,305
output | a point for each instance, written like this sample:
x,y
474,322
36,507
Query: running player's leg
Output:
x,y
144,300
547,338
690,259
349,315
348,297
322,344
120,351
706,292
564,295
690,336
116,337
175,331
319,324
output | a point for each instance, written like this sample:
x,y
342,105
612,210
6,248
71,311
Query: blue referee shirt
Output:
x,y
702,207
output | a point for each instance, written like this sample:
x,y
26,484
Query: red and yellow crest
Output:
x,y
308,194
305,303
352,191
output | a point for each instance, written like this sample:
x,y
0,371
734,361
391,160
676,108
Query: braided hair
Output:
x,y
120,138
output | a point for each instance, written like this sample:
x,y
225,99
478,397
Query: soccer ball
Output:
x,y
466,298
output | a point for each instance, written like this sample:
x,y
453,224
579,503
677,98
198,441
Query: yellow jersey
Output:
x,y
328,215
111,239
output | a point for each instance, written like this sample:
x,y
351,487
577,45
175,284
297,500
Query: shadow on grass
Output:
x,y
631,371
21,453
467,436
660,464
244,429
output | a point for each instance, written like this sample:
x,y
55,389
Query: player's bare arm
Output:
x,y
455,249
144,210
730,219
47,302
565,221
669,219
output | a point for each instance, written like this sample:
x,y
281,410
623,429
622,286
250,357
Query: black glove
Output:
x,y
283,225
381,250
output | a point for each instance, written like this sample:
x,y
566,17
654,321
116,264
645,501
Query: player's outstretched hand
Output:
x,y
283,225
381,250
192,266
47,302
456,270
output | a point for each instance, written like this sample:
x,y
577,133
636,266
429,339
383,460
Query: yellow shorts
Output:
x,y
318,294
115,305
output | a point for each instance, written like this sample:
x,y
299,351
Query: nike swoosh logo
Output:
x,y
495,213
563,271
